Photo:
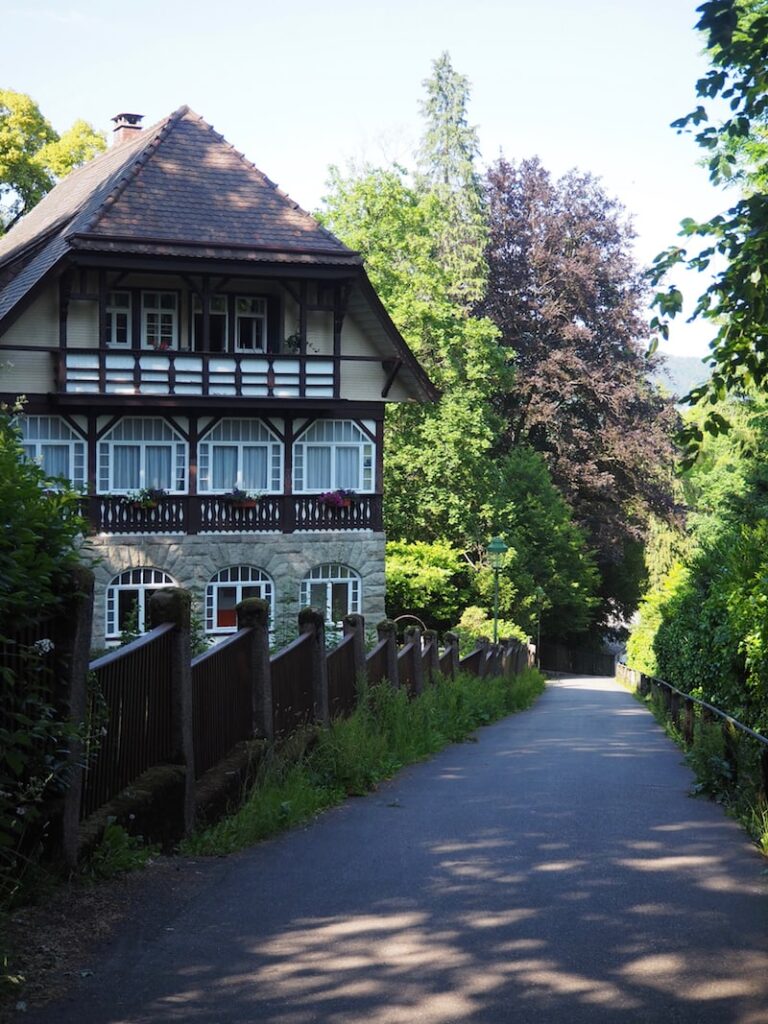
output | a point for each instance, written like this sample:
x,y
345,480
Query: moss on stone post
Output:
x,y
313,622
173,604
387,631
253,614
74,645
413,636
354,626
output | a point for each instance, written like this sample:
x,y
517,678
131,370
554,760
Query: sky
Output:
x,y
300,85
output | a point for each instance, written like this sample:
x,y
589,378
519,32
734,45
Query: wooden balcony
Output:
x,y
225,375
191,514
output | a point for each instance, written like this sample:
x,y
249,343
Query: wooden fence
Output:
x,y
157,717
687,713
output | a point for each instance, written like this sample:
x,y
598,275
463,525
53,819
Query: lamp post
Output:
x,y
540,596
496,550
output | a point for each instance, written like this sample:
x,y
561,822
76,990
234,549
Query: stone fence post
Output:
x,y
253,614
73,646
412,635
313,622
482,644
173,604
387,630
354,626
432,656
451,642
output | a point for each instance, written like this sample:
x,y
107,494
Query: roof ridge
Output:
x,y
132,167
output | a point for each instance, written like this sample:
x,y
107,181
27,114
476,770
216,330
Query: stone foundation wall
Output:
x,y
287,558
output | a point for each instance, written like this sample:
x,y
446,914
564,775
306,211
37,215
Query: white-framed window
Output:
x,y
217,322
333,589
127,598
159,319
142,452
55,446
331,455
240,453
250,324
228,588
117,320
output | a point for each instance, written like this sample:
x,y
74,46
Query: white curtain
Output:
x,y
56,460
127,467
318,476
255,468
223,467
348,468
158,471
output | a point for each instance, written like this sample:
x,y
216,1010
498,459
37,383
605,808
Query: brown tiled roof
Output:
x,y
177,188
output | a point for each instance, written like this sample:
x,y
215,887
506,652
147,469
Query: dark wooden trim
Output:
x,y
135,319
176,266
349,254
193,507
393,372
289,517
92,455
65,294
102,316
378,483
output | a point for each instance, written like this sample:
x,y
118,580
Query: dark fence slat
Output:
x,y
292,701
342,685
222,715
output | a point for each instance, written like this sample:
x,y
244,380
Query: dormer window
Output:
x,y
159,319
117,320
250,324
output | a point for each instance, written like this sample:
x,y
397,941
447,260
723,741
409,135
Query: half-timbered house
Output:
x,y
211,368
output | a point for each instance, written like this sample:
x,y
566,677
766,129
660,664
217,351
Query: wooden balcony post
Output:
x,y
387,630
313,622
253,614
173,604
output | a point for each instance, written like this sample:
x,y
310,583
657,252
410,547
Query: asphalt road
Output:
x,y
554,872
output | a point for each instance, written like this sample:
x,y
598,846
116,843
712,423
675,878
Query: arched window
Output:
x,y
52,443
240,453
332,589
331,455
228,588
142,452
127,596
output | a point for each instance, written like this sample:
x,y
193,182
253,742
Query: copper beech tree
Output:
x,y
568,301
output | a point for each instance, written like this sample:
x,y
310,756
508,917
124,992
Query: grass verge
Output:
x,y
318,768
729,777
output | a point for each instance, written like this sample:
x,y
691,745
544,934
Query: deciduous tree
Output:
x,y
33,156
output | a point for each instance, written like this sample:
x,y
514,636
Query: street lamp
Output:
x,y
496,550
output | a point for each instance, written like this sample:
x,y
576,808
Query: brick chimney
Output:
x,y
126,126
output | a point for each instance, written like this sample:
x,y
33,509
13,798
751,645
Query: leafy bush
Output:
x,y
430,580
475,623
38,551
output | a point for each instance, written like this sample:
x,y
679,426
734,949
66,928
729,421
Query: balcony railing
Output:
x,y
100,372
189,514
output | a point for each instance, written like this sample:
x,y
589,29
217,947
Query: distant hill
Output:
x,y
680,373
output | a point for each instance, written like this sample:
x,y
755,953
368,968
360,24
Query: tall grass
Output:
x,y
321,767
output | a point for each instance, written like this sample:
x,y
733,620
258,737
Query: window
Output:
x,y
332,589
240,453
217,323
333,454
56,447
127,599
228,588
138,453
117,323
159,313
250,324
